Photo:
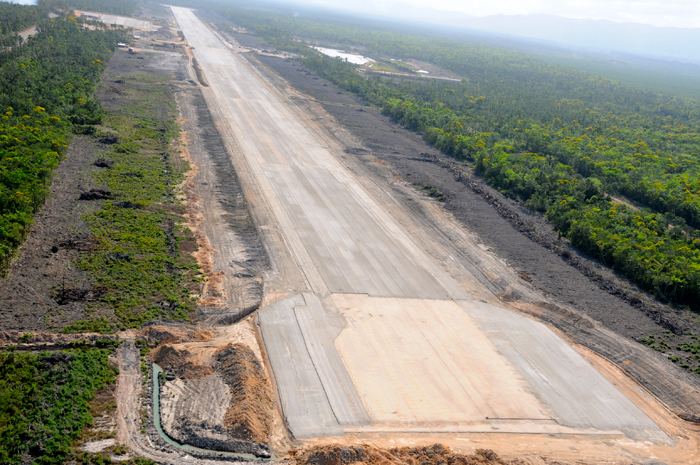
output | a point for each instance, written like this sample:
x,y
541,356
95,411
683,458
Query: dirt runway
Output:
x,y
366,327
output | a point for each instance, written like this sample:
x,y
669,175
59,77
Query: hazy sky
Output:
x,y
673,13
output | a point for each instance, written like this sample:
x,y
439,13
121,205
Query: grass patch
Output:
x,y
685,354
95,325
383,66
432,192
391,66
45,401
139,260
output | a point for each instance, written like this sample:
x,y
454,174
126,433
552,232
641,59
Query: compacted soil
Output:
x,y
368,455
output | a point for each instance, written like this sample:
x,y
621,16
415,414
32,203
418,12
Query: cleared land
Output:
x,y
116,20
351,269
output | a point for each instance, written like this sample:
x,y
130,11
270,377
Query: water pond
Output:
x,y
349,57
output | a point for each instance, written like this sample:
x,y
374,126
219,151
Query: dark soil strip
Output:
x,y
200,74
528,244
228,189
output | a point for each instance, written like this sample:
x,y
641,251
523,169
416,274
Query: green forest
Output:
x,y
15,18
118,7
46,92
614,168
44,401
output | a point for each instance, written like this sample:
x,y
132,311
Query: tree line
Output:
x,y
117,7
15,18
654,246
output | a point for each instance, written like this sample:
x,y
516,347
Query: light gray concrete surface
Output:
x,y
123,21
320,326
304,402
343,239
301,332
576,393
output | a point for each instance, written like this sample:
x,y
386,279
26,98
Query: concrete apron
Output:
x,y
352,363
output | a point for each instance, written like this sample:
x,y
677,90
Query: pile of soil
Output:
x,y
95,194
177,362
249,416
157,334
436,454
104,163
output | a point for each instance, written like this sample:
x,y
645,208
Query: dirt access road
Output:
x,y
369,324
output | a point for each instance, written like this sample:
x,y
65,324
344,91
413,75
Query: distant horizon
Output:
x,y
680,14
21,2
673,42
581,34
593,20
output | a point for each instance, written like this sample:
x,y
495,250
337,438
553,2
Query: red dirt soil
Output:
x,y
249,417
436,454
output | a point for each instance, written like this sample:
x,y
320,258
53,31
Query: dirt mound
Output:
x,y
177,362
95,194
436,454
66,295
83,243
249,416
164,334
104,163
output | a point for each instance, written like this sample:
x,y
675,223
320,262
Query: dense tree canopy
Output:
x,y
118,7
16,17
44,401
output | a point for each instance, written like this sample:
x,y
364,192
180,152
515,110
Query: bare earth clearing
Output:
x,y
116,20
371,326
